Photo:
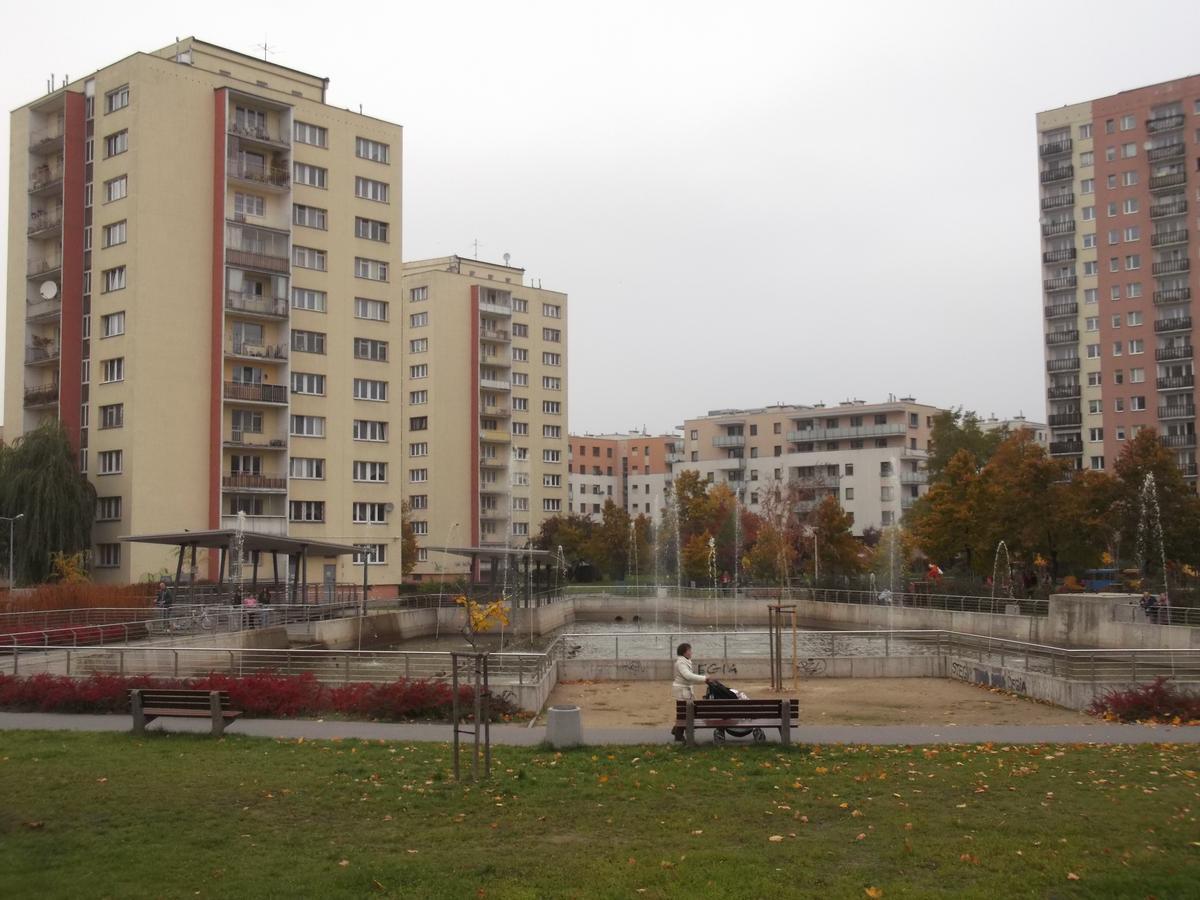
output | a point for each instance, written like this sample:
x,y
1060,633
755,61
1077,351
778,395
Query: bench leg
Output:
x,y
785,722
218,720
139,715
690,728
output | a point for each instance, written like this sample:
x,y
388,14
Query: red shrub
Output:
x,y
1158,701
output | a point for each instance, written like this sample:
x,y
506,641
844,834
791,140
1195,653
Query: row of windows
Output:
x,y
318,136
318,177
314,426
315,342
549,310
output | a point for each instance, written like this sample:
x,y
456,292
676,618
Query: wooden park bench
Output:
x,y
752,715
148,704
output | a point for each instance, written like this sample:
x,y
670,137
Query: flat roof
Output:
x,y
498,552
251,540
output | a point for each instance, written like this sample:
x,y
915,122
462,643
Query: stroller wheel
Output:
x,y
760,736
718,735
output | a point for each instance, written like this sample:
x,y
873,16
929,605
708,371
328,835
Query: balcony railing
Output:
x,y
1166,354
499,411
1168,151
44,177
43,310
1065,392
495,384
914,478
41,394
1062,337
1173,295
1188,470
44,220
260,393
1169,180
1174,323
1169,236
1061,255
1055,147
1051,229
255,439
1057,173
271,352
1175,382
1055,201
499,309
1169,208
805,435
256,133
1066,448
256,304
1061,420
46,140
256,248
245,481
495,334
39,268
729,440
1070,364
1178,440
269,176
1056,310
1164,123
1177,411
1062,283
35,355
1170,266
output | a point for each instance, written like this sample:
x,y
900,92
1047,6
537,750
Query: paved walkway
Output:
x,y
520,735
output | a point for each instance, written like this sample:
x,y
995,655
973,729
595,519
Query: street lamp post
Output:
x,y
11,520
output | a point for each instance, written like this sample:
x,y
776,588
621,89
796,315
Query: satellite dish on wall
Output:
x,y
48,290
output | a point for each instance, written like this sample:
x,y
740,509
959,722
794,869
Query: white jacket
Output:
x,y
685,677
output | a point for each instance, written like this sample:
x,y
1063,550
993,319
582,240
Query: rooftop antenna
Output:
x,y
507,257
266,48
477,248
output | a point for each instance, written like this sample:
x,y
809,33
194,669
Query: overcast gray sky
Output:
x,y
747,203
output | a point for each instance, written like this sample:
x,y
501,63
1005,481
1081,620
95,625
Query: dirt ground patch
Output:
x,y
826,701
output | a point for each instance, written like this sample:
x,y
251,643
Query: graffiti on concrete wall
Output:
x,y
989,677
715,668
811,666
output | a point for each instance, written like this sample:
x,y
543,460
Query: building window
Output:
x,y
421,371
306,510
552,407
418,320
369,470
369,430
108,556
108,509
418,476
551,505
370,189
308,383
519,354
372,269
309,216
116,144
551,310
112,325
369,389
1085,132
309,258
112,415
368,348
1133,261
418,345
1095,435
307,468
116,99
1131,205
370,229
372,150
553,335
1137,403
555,432
418,398
418,448
417,294
551,456
376,554
315,135
110,462
308,341
246,421
551,359
375,310
313,176
112,370
114,279
306,298
114,234
308,426
369,513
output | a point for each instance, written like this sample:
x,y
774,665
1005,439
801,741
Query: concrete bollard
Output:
x,y
564,727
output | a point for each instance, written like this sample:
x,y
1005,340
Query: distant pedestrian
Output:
x,y
1164,609
163,600
685,677
1149,606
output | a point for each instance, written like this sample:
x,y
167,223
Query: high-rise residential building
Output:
x,y
871,457
204,264
632,470
1116,194
1039,431
484,388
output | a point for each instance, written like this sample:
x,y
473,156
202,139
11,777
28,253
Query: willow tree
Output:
x,y
40,480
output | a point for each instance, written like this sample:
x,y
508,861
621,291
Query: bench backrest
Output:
x,y
735,709
178,698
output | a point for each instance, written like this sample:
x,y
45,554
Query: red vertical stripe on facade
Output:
x,y
220,104
70,377
473,431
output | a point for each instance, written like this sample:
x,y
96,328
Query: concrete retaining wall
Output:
x,y
752,668
1038,685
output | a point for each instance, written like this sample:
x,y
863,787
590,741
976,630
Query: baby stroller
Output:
x,y
718,691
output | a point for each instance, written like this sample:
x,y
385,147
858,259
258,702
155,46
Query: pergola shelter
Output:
x,y
532,570
297,551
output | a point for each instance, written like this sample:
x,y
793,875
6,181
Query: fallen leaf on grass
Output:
x,y
34,825
861,836
775,838
1071,876
343,863
698,831
873,892
969,858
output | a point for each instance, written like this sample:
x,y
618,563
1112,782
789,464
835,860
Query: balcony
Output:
x,y
727,464
1175,323
498,335
44,223
1052,229
251,247
1064,392
498,309
493,462
45,180
914,478
244,481
41,268
1062,337
1188,470
1169,236
1063,255
1177,411
494,436
1056,310
1164,123
1173,295
43,311
274,525
255,305
729,440
269,177
1171,266
46,141
276,353
1166,354
43,355
1168,208
1176,382
1063,420
1066,448
1168,181
258,135
907,501
1167,151
497,411
1178,440
1057,201
834,434
256,393
1057,173
1061,283
1070,364
495,384
247,440
41,395
1053,148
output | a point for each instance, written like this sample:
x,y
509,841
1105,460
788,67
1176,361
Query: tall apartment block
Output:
x,y
484,381
632,470
204,265
1119,178
871,457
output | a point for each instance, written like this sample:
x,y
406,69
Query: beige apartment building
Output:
x,y
484,456
632,470
203,286
1117,182
870,456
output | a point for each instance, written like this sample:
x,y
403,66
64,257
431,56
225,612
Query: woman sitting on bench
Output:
x,y
685,677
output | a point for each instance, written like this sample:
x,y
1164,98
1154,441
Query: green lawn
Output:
x,y
108,815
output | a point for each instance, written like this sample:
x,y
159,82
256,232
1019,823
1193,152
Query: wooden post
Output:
x,y
139,715
690,724
214,706
785,720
